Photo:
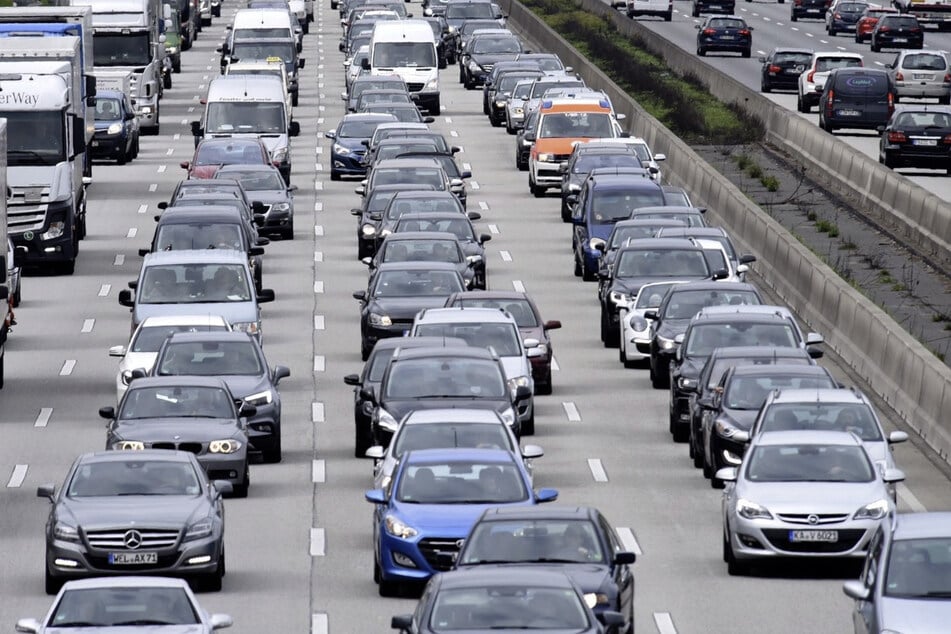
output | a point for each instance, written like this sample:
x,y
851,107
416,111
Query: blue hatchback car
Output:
x,y
349,147
431,504
117,131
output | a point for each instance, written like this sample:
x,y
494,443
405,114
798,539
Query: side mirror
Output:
x,y
660,157
522,392
624,558
742,268
761,59
563,168
223,487
720,274
473,215
650,315
375,496
546,495
294,128
262,241
280,372
367,260
162,205
529,136
367,394
365,63
880,129
28,626
352,379
598,244
741,437
612,620
361,190
356,212
196,128
747,258
265,295
553,324
254,251
247,411
531,452
854,589
402,621
221,621
485,237
896,437
185,165
144,252
706,402
331,134
376,452
455,149
107,412
139,373
360,295
117,351
727,474
46,491
300,63
125,298
893,475
571,199
259,219
429,119
465,174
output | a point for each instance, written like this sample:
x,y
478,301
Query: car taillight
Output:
x,y
838,16
899,76
811,74
744,32
891,104
709,32
798,3
946,139
773,69
883,29
947,78
916,30
830,101
898,137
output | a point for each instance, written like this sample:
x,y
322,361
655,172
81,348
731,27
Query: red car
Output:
x,y
213,153
866,23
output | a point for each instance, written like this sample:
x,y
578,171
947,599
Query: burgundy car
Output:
x,y
213,153
530,325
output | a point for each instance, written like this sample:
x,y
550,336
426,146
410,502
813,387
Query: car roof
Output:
x,y
210,337
420,235
197,256
922,525
643,222
449,415
224,169
543,511
694,232
125,582
760,352
235,140
416,266
817,396
420,193
523,576
392,343
368,116
643,244
748,310
158,455
177,381
464,314
780,369
613,180
406,163
433,215
712,286
818,54
184,214
455,353
455,454
792,49
807,437
490,294
184,320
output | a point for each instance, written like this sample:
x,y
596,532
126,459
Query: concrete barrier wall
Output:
x,y
898,206
898,368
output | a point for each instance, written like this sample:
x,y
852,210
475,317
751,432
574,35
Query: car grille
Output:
x,y
803,518
191,447
488,67
848,538
439,552
114,539
415,86
560,158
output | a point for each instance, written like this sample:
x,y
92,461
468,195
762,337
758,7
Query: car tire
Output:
x,y
793,17
604,328
832,32
16,302
801,105
508,128
365,351
52,584
537,192
274,454
334,176
858,40
588,275
701,52
578,267
135,151
122,157
715,482
522,164
875,48
944,101
668,16
764,86
733,567
288,232
494,121
362,441
746,52
214,581
388,588
528,427
695,12
241,490
678,432
544,387
167,81
888,162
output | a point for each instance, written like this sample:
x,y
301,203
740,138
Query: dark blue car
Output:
x,y
349,147
117,129
728,33
430,506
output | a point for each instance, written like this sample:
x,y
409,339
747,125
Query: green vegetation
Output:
x,y
680,103
824,226
771,183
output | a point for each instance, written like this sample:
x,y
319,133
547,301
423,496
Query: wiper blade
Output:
x,y
80,624
145,622
938,594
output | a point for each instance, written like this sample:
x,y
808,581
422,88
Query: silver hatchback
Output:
x,y
921,74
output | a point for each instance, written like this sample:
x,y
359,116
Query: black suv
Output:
x,y
808,9
712,6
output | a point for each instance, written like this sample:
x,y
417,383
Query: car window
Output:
x,y
749,393
661,263
519,309
128,605
922,120
194,283
107,109
852,417
502,337
422,251
407,204
187,401
218,235
133,477
865,84
686,304
919,568
825,64
418,175
531,540
445,435
210,358
461,482
591,161
459,227
575,124
726,23
357,129
256,180
703,339
809,463
512,608
441,376
415,283
791,58
924,61
610,205
652,296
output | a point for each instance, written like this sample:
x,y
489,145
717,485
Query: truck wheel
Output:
x,y
294,98
167,80
668,16
177,64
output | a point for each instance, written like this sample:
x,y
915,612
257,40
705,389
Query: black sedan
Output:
x,y
457,224
917,136
370,214
237,358
194,414
424,246
265,184
397,292
117,130
724,33
483,53
782,67
422,200
120,512
897,31
504,600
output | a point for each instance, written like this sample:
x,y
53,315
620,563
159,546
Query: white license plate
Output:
x,y
922,75
900,40
813,10
133,559
848,113
727,37
931,142
814,536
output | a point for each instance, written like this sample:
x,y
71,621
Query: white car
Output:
x,y
660,8
813,79
635,328
354,66
149,337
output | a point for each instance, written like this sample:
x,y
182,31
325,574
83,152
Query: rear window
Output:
x,y
864,84
727,23
924,61
791,58
852,7
904,22
826,64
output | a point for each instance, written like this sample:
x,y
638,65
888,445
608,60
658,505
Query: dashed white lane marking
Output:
x,y
318,472
43,418
909,498
821,41
494,229
162,168
467,166
484,206
318,206
318,150
318,230
318,623
758,52
475,185
317,412
448,119
119,261
153,187
17,477
318,256
88,325
518,286
780,24
320,363
320,121
176,136
318,287
453,133
68,366
571,411
317,542
318,322
184,121
765,19
878,63
664,623
554,365
626,535
506,256
318,185
169,151
597,470
841,48
131,232
143,208
808,34
318,167
104,290
794,28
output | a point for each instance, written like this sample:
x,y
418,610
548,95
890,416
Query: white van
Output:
x,y
250,106
273,66
265,24
407,48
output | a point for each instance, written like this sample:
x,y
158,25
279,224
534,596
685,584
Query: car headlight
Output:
x,y
115,128
171,50
396,528
724,429
593,599
128,445
639,324
339,149
259,398
56,230
377,319
201,528
224,446
545,157
752,510
65,532
385,233
474,67
433,84
386,420
664,343
368,230
518,110
516,382
281,207
279,154
686,383
508,416
146,110
620,298
452,29
126,377
874,511
499,104
250,327
593,241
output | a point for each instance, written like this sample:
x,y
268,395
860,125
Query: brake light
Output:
x,y
831,101
838,16
811,74
947,78
899,76
916,30
946,139
898,137
744,31
798,3
891,104
884,29
709,32
773,69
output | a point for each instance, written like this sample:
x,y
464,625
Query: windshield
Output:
x,y
393,133
749,393
467,10
402,54
508,608
791,58
198,235
703,339
809,463
35,138
495,44
826,64
369,97
686,304
260,32
210,358
419,175
357,129
405,204
622,234
510,81
610,205
255,180
245,116
151,338
133,477
446,377
118,49
661,263
562,125
689,218
676,197
193,284
461,482
405,113
445,435
127,605
416,283
852,417
229,153
379,201
501,337
586,163
422,251
533,540
176,402
539,87
652,295
359,87
519,309
393,151
918,568
523,90
107,109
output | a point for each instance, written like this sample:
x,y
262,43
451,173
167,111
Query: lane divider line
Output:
x,y
318,322
119,261
318,256
626,535
153,187
104,290
17,477
318,230
317,542
162,168
318,286
317,412
320,363
664,623
571,411
318,207
43,418
484,206
88,325
143,208
131,232
475,185
909,498
318,623
518,286
68,366
318,472
506,256
597,470
494,229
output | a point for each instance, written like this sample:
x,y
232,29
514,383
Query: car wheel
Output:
x,y
51,583
832,32
733,566
677,430
695,13
135,152
528,427
295,98
334,176
890,163
792,17
604,328
715,482
122,157
875,48
288,232
273,455
544,387
365,351
946,100
494,121
705,466
858,40
801,105
578,267
241,490
667,18
388,588
362,441
167,81
764,86
588,275
746,52
537,192
508,127
701,52
522,164
16,302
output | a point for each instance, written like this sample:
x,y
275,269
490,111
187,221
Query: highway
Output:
x,y
772,28
299,547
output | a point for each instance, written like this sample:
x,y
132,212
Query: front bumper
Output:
x,y
107,145
349,164
231,467
73,560
547,173
39,250
756,539
403,559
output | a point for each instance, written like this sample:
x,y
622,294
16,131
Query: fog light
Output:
x,y
232,474
66,563
202,559
749,541
402,560
51,249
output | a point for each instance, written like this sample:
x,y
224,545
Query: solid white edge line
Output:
x,y
597,470
318,623
554,364
318,544
910,499
318,472
17,477
43,418
626,535
664,623
317,412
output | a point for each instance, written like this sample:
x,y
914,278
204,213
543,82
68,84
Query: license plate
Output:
x,y
814,536
922,75
924,142
727,37
900,40
848,113
95,144
133,559
813,11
